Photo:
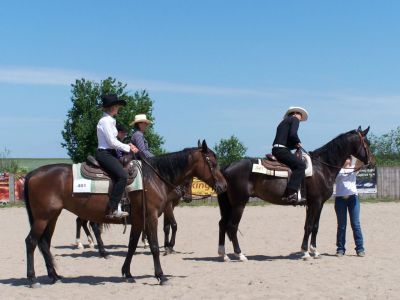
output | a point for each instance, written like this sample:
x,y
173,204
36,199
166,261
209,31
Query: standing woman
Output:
x,y
106,154
347,200
140,124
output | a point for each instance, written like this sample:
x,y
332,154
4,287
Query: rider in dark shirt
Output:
x,y
286,139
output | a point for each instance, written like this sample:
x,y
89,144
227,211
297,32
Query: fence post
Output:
x,y
11,188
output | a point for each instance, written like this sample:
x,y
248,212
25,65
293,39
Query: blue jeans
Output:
x,y
352,204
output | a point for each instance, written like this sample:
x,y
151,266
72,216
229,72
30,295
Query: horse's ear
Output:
x,y
364,133
198,143
359,129
204,147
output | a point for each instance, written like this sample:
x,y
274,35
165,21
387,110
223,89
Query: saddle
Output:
x,y
272,167
91,169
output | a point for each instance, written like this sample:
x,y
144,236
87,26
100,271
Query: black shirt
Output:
x,y
286,133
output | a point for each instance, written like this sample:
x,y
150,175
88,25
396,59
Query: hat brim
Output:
x,y
118,102
141,121
304,114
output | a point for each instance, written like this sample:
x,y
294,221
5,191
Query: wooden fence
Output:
x,y
388,182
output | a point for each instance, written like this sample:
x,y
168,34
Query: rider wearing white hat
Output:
x,y
140,124
286,139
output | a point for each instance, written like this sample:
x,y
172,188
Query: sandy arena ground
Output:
x,y
270,237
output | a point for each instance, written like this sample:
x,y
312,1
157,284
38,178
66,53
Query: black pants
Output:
x,y
109,161
296,165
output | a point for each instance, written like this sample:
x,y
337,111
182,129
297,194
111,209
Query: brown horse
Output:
x,y
243,184
48,190
174,198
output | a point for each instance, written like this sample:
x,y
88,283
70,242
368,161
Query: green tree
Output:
x,y
80,127
386,148
229,150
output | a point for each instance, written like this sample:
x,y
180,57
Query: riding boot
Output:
x,y
291,197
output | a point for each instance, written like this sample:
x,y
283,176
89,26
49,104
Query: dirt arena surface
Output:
x,y
270,237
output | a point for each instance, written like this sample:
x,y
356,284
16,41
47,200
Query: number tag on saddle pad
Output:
x,y
82,186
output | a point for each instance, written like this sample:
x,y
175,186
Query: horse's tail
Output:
x,y
26,198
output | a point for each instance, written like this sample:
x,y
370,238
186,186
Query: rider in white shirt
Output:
x,y
106,153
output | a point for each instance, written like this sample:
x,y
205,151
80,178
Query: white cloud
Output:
x,y
48,76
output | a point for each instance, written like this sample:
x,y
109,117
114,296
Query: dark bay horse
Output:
x,y
243,184
181,192
48,190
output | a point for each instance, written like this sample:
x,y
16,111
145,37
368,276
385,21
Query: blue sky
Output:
x,y
213,68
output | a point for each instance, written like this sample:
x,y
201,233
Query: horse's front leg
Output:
x,y
136,230
313,213
313,243
225,210
151,231
307,232
233,226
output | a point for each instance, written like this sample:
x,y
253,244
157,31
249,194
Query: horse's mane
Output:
x,y
170,165
338,145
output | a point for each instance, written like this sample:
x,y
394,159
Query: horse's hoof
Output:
x,y
318,257
91,245
105,255
225,258
130,279
241,257
163,280
79,246
35,285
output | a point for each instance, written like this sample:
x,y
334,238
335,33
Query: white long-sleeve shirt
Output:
x,y
107,134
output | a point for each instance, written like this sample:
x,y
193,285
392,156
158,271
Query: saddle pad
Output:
x,y
259,168
83,185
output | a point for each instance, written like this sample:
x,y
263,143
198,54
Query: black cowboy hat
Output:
x,y
112,99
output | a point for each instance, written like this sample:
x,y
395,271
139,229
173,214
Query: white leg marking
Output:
x,y
241,256
78,244
306,255
315,252
221,253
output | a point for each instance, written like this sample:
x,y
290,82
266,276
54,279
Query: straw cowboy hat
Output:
x,y
111,99
141,118
292,109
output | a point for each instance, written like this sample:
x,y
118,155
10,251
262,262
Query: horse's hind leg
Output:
x,y
169,222
44,246
78,242
97,233
88,234
31,241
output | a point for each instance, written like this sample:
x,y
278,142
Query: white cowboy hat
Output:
x,y
141,118
304,113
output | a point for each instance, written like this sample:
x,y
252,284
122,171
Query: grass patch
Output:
x,y
10,205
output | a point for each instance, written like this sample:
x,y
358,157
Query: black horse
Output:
x,y
243,184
